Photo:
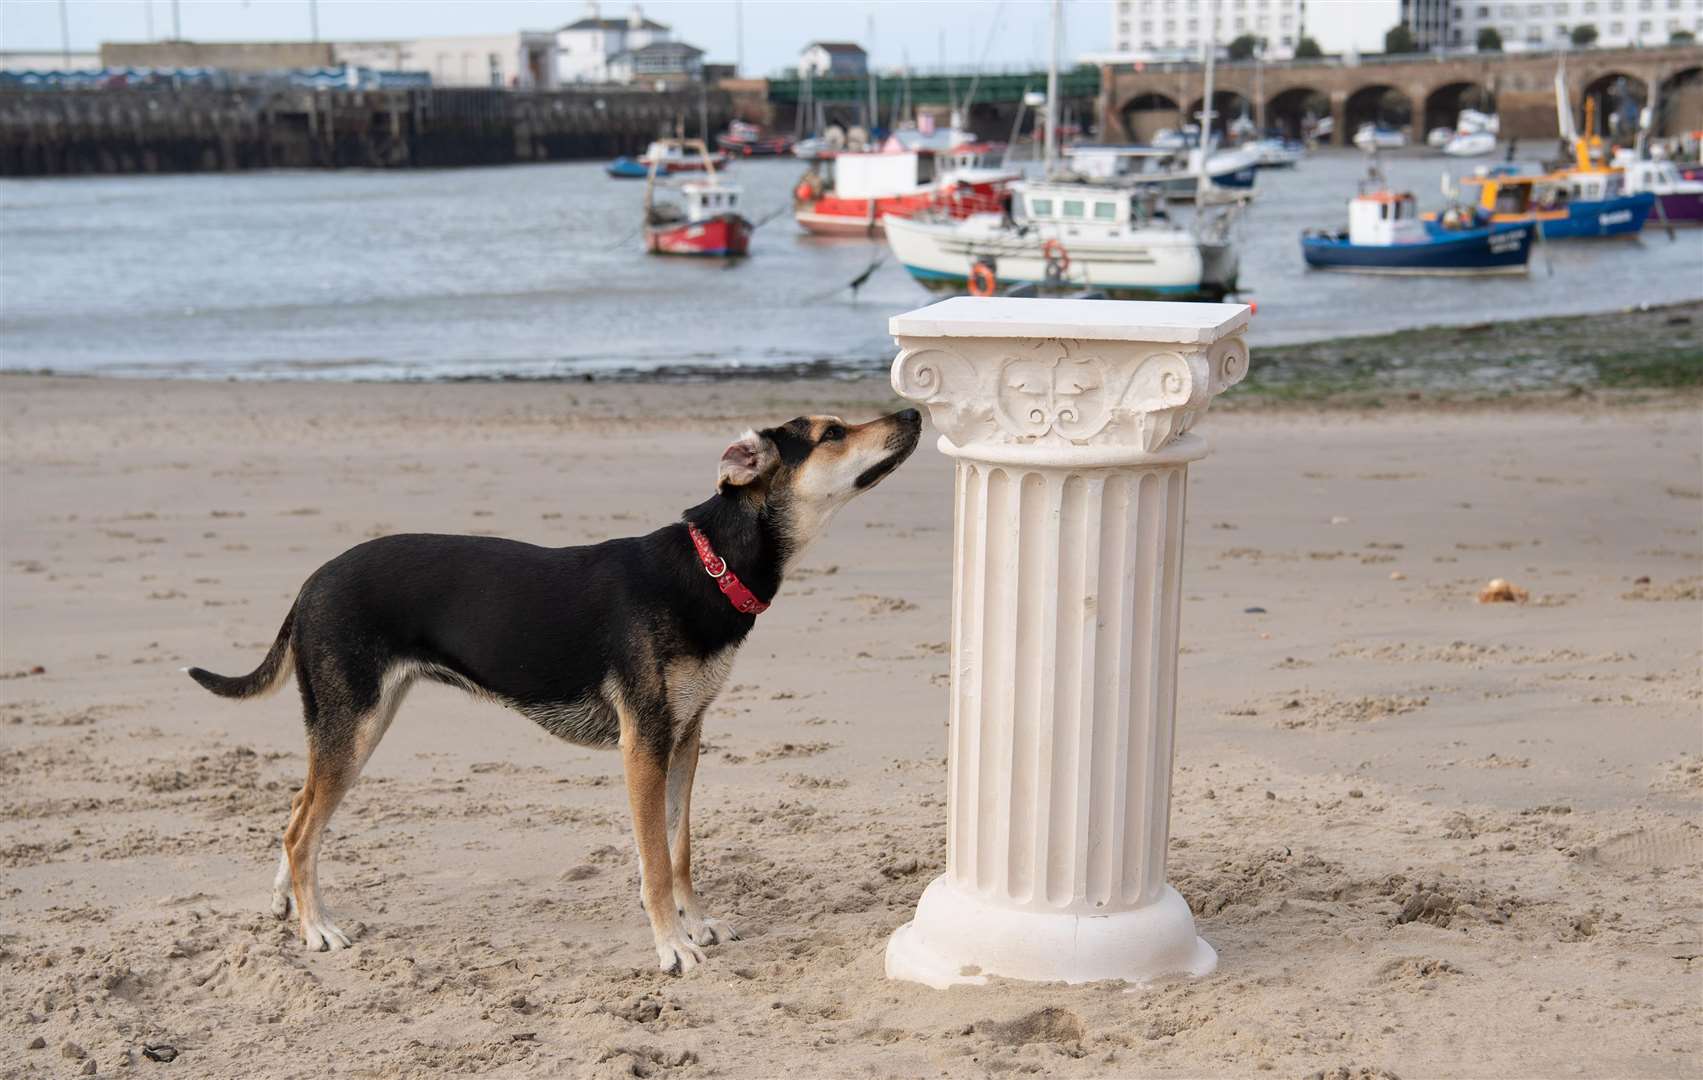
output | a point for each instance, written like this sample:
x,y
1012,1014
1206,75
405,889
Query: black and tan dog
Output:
x,y
624,643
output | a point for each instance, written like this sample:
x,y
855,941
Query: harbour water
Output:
x,y
537,270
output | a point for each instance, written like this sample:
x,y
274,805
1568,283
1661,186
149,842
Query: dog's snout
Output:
x,y
909,417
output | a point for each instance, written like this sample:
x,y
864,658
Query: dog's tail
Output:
x,y
262,680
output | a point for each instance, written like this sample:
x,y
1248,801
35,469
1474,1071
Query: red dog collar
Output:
x,y
726,580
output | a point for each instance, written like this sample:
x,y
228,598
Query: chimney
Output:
x,y
636,21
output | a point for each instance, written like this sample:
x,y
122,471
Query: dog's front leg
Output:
x,y
682,768
647,784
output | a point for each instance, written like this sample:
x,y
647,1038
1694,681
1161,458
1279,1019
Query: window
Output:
x,y
1617,28
1285,39
1071,208
1040,208
1534,35
1105,211
1561,8
1644,26
1484,11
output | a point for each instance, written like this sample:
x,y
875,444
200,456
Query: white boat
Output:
x,y
1376,137
1438,137
1070,237
1470,144
1175,173
1277,153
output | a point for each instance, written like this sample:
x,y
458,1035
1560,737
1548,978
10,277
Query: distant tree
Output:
x,y
1399,39
1244,47
1584,35
1489,40
1308,49
1682,37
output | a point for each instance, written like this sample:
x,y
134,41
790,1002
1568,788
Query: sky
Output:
x,y
918,32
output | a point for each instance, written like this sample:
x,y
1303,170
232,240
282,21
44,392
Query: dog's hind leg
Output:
x,y
682,768
647,781
338,748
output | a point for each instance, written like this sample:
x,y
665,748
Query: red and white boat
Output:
x,y
674,158
706,222
850,194
748,140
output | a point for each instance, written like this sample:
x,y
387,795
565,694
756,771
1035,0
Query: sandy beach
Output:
x,y
1428,837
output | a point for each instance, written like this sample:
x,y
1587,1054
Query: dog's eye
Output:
x,y
833,433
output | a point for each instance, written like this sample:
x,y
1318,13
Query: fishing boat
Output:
x,y
1062,238
1677,199
1378,137
706,222
1386,235
748,140
1173,173
1277,153
1568,205
674,159
625,168
851,194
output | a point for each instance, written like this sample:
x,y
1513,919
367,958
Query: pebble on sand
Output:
x,y
1502,591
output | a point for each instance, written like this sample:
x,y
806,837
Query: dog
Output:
x,y
620,644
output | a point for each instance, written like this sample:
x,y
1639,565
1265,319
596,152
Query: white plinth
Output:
x,y
1069,420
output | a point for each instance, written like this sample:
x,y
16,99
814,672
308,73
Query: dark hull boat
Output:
x,y
1498,249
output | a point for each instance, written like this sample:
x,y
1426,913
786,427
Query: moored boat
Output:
x,y
1071,237
748,140
625,168
706,222
851,194
1378,137
1573,204
673,158
1386,235
1174,173
1677,199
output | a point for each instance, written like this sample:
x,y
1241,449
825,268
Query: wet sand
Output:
x,y
1428,837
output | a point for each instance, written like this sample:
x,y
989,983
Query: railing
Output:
x,y
1080,82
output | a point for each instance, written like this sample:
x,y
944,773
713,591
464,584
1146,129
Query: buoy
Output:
x,y
982,281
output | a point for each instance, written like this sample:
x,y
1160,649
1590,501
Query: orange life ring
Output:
x,y
1053,252
802,192
982,281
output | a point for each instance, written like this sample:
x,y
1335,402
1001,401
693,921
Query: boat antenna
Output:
x,y
1052,91
987,47
1205,148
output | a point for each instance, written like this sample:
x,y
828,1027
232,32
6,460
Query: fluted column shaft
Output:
x,y
1064,631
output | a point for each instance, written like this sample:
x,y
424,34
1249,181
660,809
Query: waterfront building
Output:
x,y
1525,25
832,58
520,60
585,47
1176,29
664,61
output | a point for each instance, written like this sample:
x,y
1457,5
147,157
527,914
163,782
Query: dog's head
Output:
x,y
803,471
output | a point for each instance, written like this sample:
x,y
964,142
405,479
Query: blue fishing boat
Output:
x,y
625,168
1573,204
1385,235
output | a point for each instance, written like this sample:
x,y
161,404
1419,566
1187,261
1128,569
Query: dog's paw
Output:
x,y
677,954
283,904
319,935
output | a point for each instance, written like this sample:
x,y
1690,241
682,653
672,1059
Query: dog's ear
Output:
x,y
746,461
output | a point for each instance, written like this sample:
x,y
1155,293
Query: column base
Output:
x,y
959,939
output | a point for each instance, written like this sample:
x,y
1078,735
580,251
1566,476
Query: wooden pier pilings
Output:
x,y
145,130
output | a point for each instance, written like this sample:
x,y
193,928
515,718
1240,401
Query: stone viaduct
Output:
x,y
1417,92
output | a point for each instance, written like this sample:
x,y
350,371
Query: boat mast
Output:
x,y
1205,147
1052,91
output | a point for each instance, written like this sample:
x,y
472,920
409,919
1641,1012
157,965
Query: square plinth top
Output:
x,y
1092,320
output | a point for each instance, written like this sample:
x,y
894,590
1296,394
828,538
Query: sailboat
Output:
x,y
1063,235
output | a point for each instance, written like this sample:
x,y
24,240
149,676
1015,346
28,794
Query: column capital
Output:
x,y
1061,380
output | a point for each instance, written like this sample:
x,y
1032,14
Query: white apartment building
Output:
x,y
1548,24
1176,29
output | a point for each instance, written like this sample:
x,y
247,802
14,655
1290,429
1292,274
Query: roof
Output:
x,y
836,48
658,48
614,24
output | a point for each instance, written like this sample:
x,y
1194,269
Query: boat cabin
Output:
x,y
1381,218
1082,209
876,175
1502,192
706,200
